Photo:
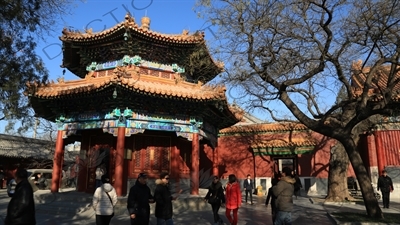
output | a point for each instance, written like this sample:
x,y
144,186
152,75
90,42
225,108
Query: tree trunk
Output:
x,y
370,202
337,179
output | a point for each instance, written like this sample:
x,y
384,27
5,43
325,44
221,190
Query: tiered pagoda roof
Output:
x,y
128,66
189,51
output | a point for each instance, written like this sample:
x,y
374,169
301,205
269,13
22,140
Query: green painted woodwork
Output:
x,y
135,60
135,123
283,151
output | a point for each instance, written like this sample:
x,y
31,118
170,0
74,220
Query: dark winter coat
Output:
x,y
385,184
21,209
138,202
270,197
297,185
216,191
163,198
248,185
283,192
42,183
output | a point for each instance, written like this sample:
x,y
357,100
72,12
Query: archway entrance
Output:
x,y
281,161
100,155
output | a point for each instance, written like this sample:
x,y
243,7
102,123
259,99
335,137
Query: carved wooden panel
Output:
x,y
157,158
151,154
166,75
154,73
165,158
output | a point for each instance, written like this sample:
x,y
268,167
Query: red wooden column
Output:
x,y
372,158
175,172
57,162
119,163
174,162
215,162
379,151
195,175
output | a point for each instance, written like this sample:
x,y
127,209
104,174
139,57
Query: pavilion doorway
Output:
x,y
101,154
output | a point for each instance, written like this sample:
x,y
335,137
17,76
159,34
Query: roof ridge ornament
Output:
x,y
120,72
129,19
89,75
145,23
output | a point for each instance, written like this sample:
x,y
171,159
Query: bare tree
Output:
x,y
302,52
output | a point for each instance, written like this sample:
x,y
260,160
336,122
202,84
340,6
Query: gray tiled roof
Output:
x,y
23,147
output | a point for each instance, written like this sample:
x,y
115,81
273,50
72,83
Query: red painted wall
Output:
x,y
235,156
391,146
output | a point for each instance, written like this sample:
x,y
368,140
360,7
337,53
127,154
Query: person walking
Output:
x,y
233,199
73,175
1,179
283,191
271,198
67,175
163,199
99,173
297,185
385,184
138,201
21,209
104,200
248,188
41,181
215,196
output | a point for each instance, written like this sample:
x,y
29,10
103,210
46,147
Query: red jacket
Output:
x,y
233,196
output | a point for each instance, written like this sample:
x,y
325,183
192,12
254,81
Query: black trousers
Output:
x,y
140,221
251,195
215,208
273,212
386,198
103,219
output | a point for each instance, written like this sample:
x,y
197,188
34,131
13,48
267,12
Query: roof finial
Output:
x,y
145,22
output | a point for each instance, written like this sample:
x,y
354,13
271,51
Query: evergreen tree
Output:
x,y
22,24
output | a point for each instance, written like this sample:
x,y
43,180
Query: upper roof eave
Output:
x,y
74,41
129,24
146,84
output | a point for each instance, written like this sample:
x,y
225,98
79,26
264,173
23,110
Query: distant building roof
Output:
x,y
264,127
379,82
248,119
23,147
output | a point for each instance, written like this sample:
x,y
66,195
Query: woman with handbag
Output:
x,y
215,197
233,199
104,200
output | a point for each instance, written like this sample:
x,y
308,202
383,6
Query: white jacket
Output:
x,y
101,202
